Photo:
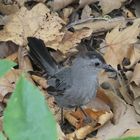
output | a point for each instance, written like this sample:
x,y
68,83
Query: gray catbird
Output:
x,y
72,86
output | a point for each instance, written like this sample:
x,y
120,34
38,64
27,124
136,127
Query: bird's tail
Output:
x,y
40,54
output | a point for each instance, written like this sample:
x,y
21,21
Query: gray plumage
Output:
x,y
71,86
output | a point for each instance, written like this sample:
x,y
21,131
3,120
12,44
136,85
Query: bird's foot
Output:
x,y
87,120
62,124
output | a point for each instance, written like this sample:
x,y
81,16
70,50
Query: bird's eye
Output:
x,y
97,64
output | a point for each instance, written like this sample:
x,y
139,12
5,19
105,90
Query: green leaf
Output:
x,y
2,136
27,116
5,66
128,138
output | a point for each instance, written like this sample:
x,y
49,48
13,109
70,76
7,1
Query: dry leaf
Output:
x,y
23,60
98,24
38,21
7,83
59,4
126,121
3,20
136,75
7,48
8,9
66,13
109,5
104,77
135,89
86,2
106,5
136,105
102,118
119,42
132,132
124,91
118,105
12,57
47,27
40,80
127,13
101,102
53,106
86,12
133,55
22,2
71,40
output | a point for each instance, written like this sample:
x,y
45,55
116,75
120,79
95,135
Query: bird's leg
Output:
x,y
76,109
87,119
62,116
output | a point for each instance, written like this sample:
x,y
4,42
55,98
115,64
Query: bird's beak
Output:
x,y
108,68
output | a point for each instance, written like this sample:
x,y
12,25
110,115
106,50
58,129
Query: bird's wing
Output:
x,y
41,56
61,81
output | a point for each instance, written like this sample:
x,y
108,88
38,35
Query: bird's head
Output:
x,y
95,61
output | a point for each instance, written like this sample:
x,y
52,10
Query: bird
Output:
x,y
72,86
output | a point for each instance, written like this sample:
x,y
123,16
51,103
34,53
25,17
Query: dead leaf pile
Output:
x,y
110,27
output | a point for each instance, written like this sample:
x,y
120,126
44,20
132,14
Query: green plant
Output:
x,y
5,66
2,136
27,116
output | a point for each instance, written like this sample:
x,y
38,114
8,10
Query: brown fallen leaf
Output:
x,y
126,121
8,9
136,104
7,48
124,91
102,118
38,22
133,55
59,4
101,95
40,80
86,2
23,60
118,105
100,104
106,5
22,2
127,13
86,12
120,42
7,83
131,132
98,24
104,78
136,75
135,89
12,57
66,13
52,105
70,40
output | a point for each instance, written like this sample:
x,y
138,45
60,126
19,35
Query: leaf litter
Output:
x,y
110,27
